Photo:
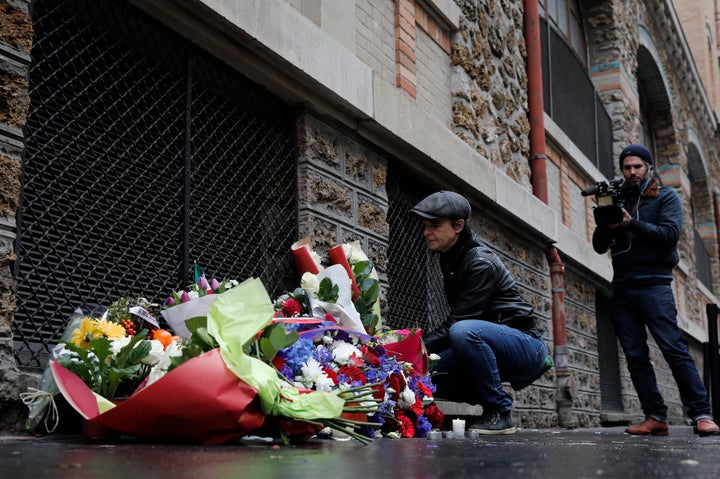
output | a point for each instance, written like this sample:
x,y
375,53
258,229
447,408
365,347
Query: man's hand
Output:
x,y
625,221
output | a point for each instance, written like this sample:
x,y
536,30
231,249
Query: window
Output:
x,y
564,17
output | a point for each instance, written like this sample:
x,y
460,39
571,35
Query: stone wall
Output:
x,y
490,85
15,44
342,192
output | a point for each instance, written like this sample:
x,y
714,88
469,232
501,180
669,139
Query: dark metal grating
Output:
x,y
142,155
415,297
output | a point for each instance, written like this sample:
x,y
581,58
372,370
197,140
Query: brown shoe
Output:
x,y
706,427
648,427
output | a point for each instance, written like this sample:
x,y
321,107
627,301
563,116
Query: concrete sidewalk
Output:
x,y
581,453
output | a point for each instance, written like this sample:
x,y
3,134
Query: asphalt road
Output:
x,y
581,453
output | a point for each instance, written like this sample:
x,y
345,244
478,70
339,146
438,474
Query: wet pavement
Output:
x,y
579,453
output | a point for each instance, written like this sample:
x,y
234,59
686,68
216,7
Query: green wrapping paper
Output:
x,y
234,319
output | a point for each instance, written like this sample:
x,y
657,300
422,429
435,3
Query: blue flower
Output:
x,y
423,427
297,354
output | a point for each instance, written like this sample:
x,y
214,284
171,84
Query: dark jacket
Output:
x,y
479,286
645,251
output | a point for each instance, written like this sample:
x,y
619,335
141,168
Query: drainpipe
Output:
x,y
538,157
564,383
538,167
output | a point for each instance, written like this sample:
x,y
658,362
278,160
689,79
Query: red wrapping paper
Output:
x,y
337,256
199,402
303,260
412,350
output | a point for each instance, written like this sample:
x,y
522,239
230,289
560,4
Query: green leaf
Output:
x,y
328,291
362,268
290,338
203,339
273,339
197,322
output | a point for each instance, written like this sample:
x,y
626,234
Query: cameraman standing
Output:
x,y
644,252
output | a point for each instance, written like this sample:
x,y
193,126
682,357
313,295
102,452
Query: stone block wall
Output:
x,y
15,44
342,193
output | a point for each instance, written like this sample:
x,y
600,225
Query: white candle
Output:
x,y
458,427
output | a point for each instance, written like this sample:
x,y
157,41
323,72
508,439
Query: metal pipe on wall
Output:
x,y
538,166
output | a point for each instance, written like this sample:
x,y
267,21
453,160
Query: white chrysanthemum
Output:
x,y
342,352
407,398
313,374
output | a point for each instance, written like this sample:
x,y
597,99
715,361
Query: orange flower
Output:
x,y
164,336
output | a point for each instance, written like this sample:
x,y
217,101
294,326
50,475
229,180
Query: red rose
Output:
x,y
370,358
291,307
379,392
434,415
417,408
396,382
354,373
424,390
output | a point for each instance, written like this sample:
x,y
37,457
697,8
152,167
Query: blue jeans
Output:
x,y
634,308
481,356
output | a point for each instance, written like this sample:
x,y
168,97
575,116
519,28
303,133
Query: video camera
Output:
x,y
612,197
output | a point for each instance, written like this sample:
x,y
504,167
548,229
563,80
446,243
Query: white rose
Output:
x,y
310,283
157,350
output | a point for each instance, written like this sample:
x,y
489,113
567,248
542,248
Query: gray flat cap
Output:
x,y
443,204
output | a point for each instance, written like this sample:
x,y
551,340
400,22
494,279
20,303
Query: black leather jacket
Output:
x,y
479,286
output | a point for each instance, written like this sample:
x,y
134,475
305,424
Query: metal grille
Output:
x,y
141,156
415,296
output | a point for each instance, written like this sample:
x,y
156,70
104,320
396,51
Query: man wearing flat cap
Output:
x,y
644,252
490,335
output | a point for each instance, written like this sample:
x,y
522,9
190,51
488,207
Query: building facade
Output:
x,y
137,136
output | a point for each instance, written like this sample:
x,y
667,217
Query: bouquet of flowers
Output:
x,y
194,301
240,362
334,352
348,290
335,359
109,360
223,367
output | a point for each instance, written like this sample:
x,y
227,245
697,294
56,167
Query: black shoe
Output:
x,y
494,422
518,385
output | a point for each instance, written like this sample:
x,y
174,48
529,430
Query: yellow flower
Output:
x,y
87,331
110,329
